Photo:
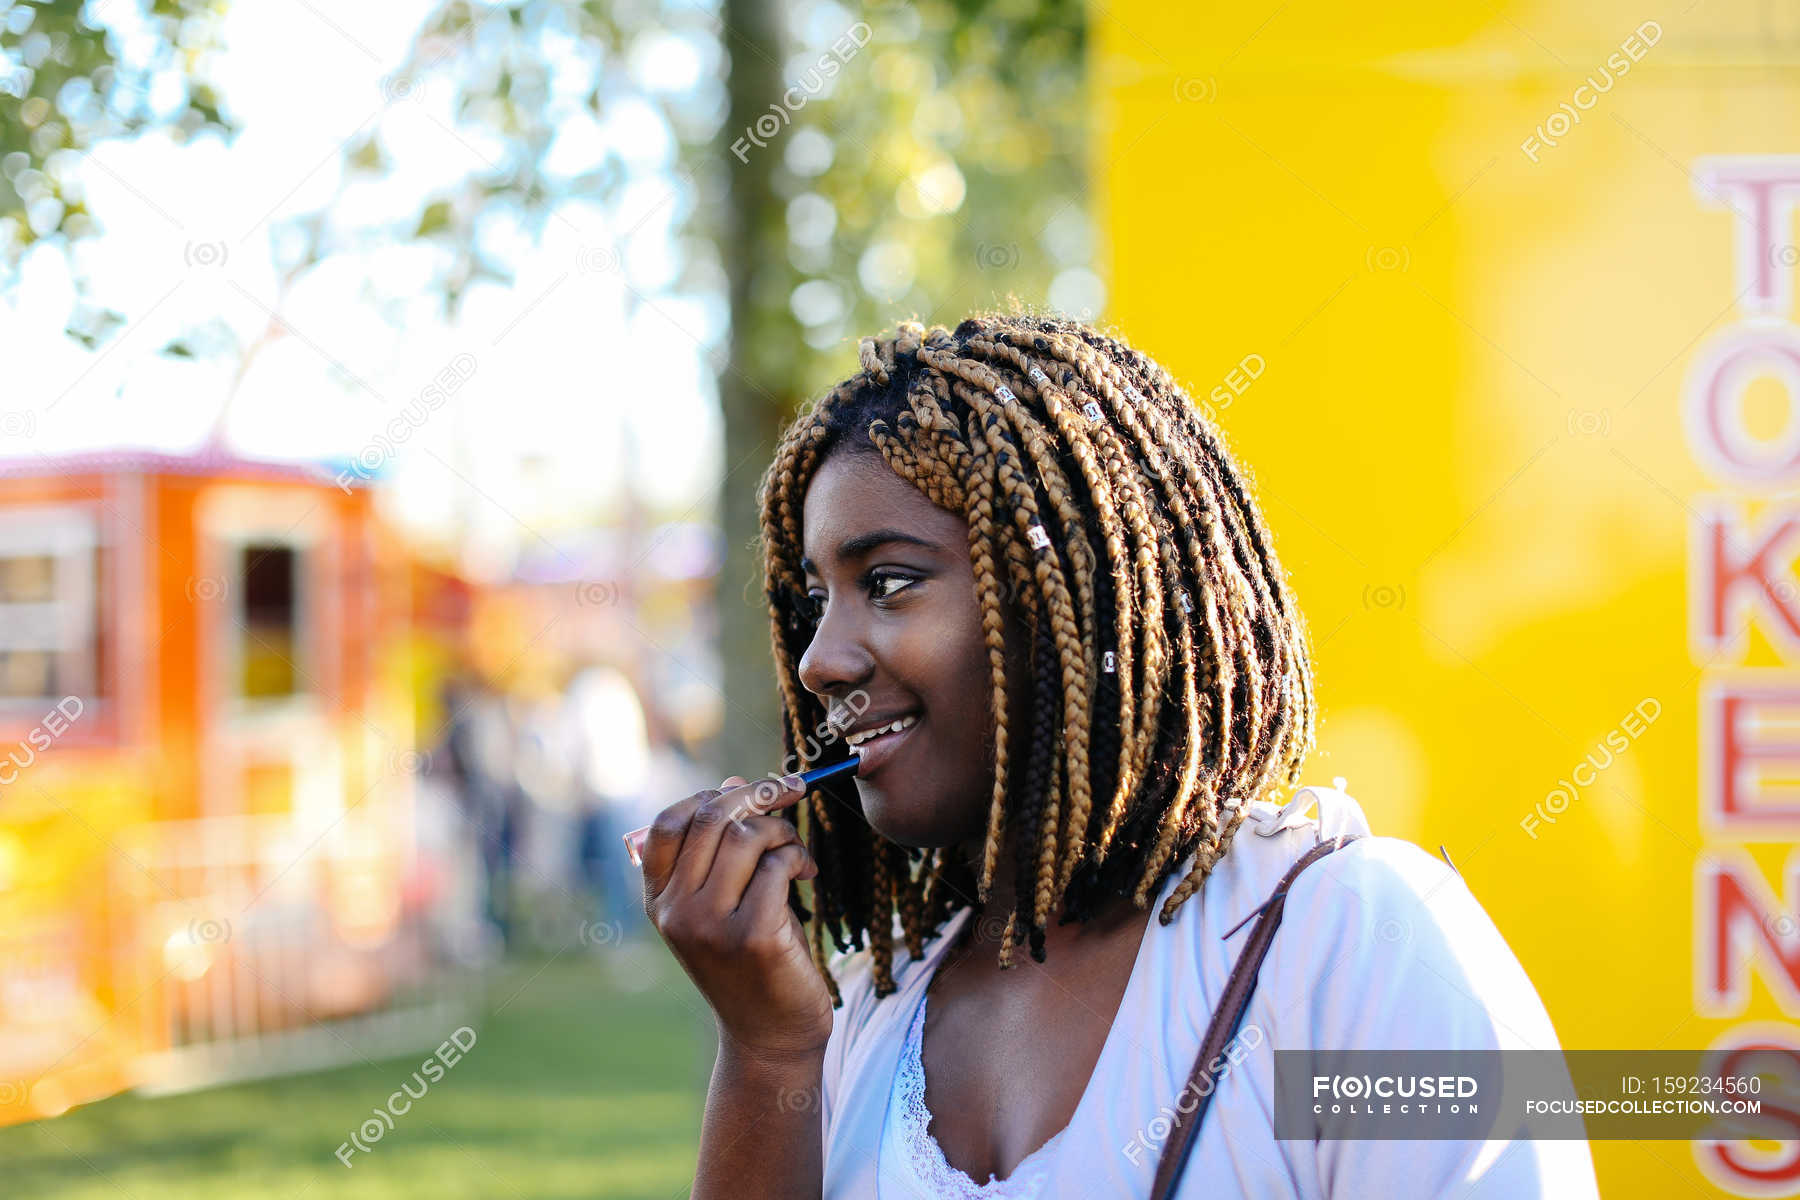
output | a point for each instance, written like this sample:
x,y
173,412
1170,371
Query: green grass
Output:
x,y
575,1087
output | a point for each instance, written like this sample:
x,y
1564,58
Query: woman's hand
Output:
x,y
716,874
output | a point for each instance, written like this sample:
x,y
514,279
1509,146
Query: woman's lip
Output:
x,y
877,750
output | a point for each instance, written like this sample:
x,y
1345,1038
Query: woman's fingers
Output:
x,y
664,837
768,888
662,845
724,813
741,846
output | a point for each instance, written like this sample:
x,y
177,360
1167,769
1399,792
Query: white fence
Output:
x,y
252,947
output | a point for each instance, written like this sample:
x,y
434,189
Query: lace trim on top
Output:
x,y
926,1158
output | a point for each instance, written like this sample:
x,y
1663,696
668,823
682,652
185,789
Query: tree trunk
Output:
x,y
755,397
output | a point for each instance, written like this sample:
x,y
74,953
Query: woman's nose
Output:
x,y
837,660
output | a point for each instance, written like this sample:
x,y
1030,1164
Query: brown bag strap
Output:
x,y
1225,1021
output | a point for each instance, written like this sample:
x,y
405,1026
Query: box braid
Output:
x,y
1169,676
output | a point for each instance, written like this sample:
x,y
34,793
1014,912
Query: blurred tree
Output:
x,y
937,169
853,168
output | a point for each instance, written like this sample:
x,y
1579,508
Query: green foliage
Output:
x,y
955,137
936,154
67,83
919,178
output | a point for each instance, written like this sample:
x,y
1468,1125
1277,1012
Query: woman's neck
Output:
x,y
986,927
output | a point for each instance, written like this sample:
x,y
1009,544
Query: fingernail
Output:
x,y
794,782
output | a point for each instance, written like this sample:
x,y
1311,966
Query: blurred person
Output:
x,y
612,772
549,895
546,750
480,741
1084,684
676,769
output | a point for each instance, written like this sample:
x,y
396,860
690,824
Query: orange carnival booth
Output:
x,y
206,776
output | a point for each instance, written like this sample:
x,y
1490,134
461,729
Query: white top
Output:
x,y
917,1161
1381,946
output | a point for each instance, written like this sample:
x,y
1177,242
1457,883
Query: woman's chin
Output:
x,y
903,823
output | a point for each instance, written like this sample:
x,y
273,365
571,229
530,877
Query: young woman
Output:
x,y
1015,571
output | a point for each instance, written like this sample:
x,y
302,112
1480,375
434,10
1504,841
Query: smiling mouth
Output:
x,y
876,746
866,736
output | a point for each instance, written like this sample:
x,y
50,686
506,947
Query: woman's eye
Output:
x,y
813,603
880,581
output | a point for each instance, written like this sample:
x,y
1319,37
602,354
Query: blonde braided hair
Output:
x,y
1169,674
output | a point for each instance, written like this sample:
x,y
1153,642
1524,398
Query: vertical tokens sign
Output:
x,y
1744,536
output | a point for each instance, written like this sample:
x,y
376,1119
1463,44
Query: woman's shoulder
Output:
x,y
1387,942
854,970
1378,875
1269,841
854,973
1371,874
858,1023
1383,946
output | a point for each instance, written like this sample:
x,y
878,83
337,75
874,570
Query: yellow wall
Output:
x,y
1467,425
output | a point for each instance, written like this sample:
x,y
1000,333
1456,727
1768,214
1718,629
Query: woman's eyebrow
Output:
x,y
862,543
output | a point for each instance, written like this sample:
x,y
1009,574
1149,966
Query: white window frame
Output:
x,y
69,623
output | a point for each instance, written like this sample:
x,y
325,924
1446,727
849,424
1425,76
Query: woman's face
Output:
x,y
899,635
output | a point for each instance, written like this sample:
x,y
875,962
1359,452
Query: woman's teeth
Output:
x,y
857,739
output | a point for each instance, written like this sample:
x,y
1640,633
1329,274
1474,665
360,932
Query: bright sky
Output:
x,y
536,439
